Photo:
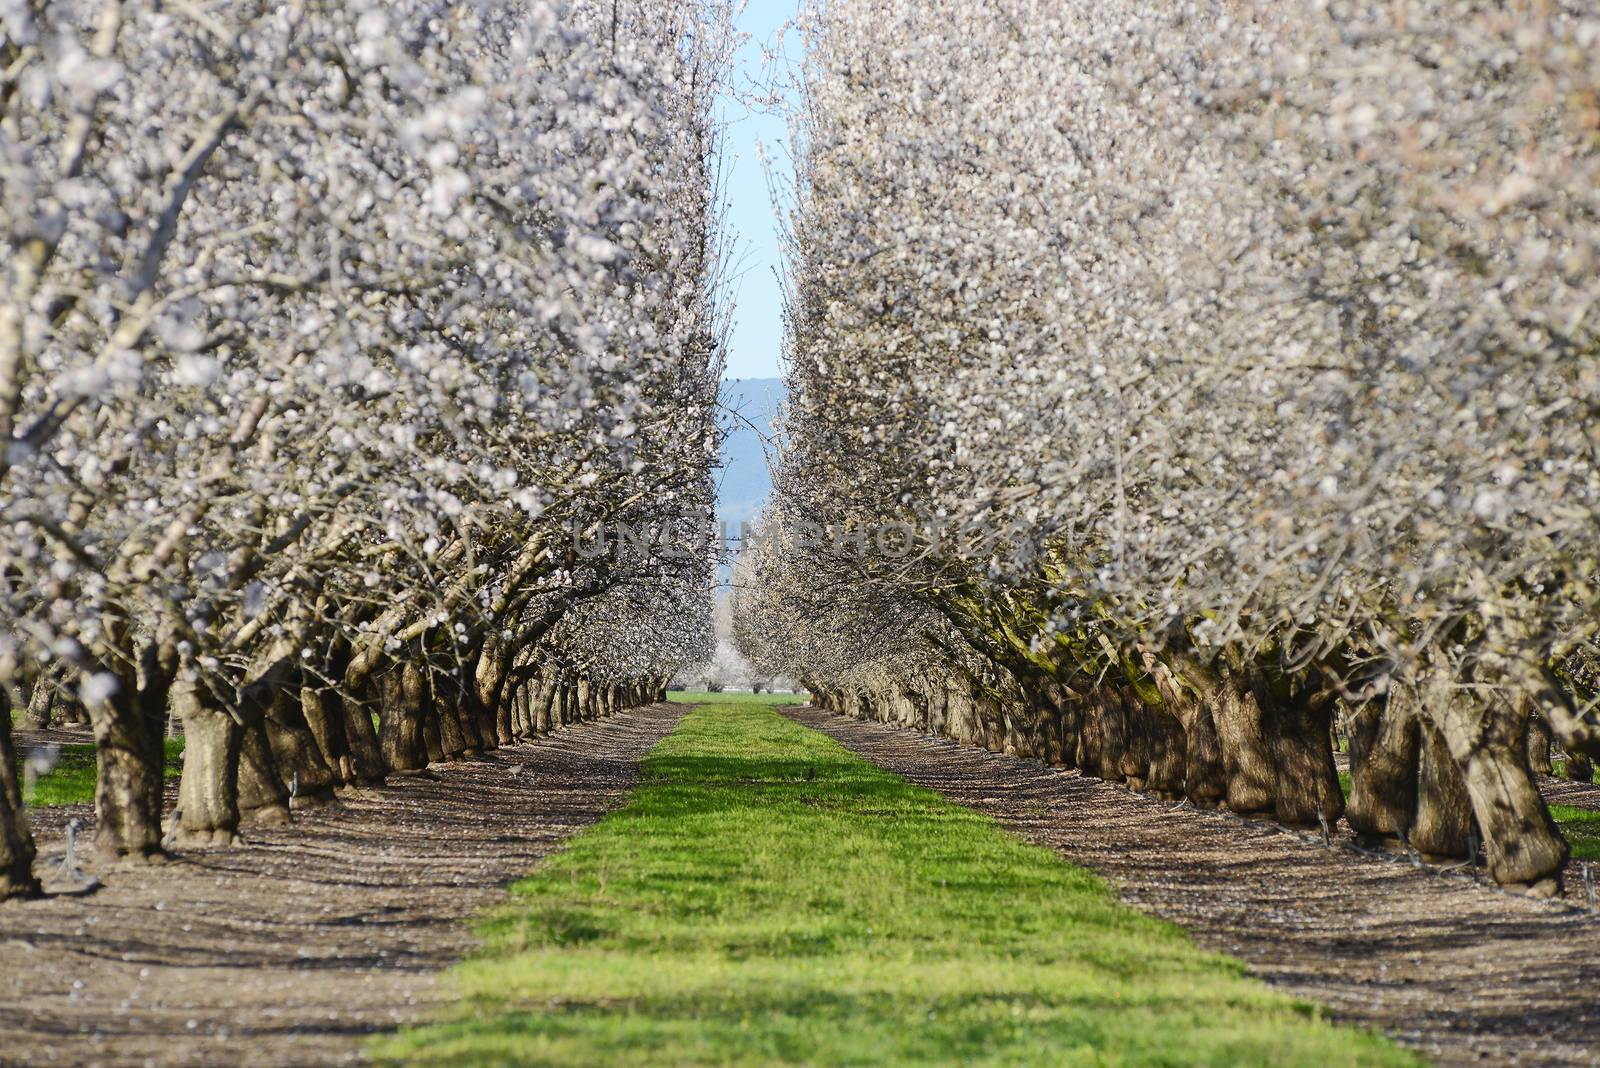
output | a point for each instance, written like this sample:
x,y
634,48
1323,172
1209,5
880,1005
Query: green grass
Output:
x,y
1581,828
72,780
700,697
737,912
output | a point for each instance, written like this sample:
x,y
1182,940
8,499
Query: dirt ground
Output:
x,y
294,950
1445,964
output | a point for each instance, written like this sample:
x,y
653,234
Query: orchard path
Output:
x,y
1457,970
294,950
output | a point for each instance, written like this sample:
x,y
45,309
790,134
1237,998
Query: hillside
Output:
x,y
749,405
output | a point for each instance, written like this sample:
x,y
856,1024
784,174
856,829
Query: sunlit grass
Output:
x,y
71,779
1581,828
768,898
701,697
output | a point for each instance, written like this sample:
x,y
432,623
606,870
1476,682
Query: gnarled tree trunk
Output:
x,y
400,718
302,764
1443,825
130,758
16,839
263,794
208,793
1251,776
1298,728
1384,752
1205,770
1489,742
1539,743
42,697
322,717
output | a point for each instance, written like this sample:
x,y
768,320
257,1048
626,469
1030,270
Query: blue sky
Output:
x,y
757,339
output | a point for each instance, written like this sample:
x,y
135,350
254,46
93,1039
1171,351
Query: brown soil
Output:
x,y
1448,966
1567,792
28,738
292,951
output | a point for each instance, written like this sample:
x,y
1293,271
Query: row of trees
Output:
x,y
1170,383
328,332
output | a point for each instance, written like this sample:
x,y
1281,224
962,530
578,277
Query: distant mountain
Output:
x,y
748,407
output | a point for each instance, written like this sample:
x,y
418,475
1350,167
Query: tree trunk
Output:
x,y
1298,728
360,735
582,700
1443,825
208,793
447,707
1205,772
1539,740
569,703
1579,768
1167,752
16,840
1384,753
1251,776
263,795
433,736
400,718
1089,755
322,718
295,750
494,661
1134,763
1489,742
42,698
130,760
450,694
543,701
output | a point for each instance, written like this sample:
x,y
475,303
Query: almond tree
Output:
x,y
1258,344
325,325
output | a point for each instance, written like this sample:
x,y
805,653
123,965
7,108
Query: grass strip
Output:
x,y
766,897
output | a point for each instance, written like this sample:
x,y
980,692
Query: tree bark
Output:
x,y
1134,762
1539,741
548,689
1489,742
1251,776
488,678
432,734
569,703
1443,824
400,718
450,693
322,718
262,793
42,698
130,759
1205,780
1090,751
360,735
447,706
208,793
1297,725
300,759
1168,753
588,691
16,839
1384,754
